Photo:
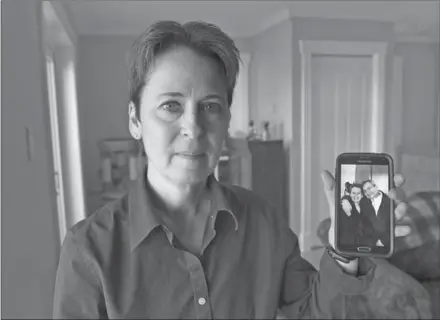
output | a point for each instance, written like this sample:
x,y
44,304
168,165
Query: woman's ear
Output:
x,y
134,124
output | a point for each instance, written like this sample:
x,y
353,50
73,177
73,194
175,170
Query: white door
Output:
x,y
56,150
340,119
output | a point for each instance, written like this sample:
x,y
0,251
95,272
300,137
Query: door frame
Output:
x,y
242,107
57,169
378,52
396,119
246,59
63,54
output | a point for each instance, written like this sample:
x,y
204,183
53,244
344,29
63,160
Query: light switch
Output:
x,y
30,144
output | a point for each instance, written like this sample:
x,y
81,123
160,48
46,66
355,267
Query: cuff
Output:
x,y
333,277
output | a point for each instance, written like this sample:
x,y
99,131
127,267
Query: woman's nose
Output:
x,y
192,123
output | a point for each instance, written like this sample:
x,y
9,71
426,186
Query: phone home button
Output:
x,y
364,249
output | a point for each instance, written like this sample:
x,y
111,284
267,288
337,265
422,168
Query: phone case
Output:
x,y
337,201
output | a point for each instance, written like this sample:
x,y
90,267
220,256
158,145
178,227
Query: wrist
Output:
x,y
338,256
351,268
348,263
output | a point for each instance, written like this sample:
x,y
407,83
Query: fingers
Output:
x,y
399,180
397,194
329,186
402,231
400,211
329,190
328,179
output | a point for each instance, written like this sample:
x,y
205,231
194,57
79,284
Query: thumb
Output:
x,y
329,190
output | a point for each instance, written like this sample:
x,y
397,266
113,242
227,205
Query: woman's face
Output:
x,y
356,194
184,115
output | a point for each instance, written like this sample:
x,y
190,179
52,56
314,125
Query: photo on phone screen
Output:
x,y
364,212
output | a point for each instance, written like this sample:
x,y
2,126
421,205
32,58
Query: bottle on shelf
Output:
x,y
265,134
252,131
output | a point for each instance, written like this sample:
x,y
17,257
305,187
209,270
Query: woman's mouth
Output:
x,y
192,156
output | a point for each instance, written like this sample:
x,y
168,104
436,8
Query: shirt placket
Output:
x,y
199,286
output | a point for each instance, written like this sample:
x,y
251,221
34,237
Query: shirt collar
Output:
x,y
224,200
141,211
144,216
378,197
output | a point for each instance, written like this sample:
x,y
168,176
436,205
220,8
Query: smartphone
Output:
x,y
364,213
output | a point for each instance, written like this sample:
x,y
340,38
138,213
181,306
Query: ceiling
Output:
x,y
246,18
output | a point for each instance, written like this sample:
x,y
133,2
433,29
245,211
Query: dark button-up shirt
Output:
x,y
123,262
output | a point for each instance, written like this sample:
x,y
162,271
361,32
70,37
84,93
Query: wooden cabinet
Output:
x,y
269,172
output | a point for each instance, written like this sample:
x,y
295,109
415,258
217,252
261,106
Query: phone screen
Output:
x,y
364,222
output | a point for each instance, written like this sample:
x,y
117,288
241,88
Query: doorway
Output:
x,y
59,52
56,147
341,117
342,111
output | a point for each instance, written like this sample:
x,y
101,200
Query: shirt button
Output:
x,y
202,301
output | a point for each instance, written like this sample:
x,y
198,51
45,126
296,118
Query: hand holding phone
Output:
x,y
364,212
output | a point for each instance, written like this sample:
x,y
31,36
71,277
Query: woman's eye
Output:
x,y
213,107
171,106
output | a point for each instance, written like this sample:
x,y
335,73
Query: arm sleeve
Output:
x,y
78,293
309,294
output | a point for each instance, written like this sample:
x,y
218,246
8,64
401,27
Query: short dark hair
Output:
x,y
356,185
349,186
367,181
202,37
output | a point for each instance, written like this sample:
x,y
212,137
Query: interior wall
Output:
x,y
270,91
420,109
102,97
271,78
30,243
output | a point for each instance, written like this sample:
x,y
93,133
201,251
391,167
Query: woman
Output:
x,y
356,227
186,246
353,195
349,214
